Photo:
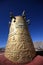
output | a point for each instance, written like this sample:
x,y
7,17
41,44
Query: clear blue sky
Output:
x,y
34,11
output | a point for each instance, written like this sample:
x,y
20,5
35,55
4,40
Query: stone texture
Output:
x,y
19,46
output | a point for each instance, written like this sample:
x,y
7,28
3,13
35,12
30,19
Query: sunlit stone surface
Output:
x,y
19,46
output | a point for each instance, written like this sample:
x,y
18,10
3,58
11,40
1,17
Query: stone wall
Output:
x,y
19,46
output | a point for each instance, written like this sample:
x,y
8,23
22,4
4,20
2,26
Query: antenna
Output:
x,y
11,15
28,21
24,14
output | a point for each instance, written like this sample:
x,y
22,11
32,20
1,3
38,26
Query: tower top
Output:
x,y
12,16
23,16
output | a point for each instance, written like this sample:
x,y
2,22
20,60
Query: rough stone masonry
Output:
x,y
19,48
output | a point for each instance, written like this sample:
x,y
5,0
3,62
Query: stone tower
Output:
x,y
19,48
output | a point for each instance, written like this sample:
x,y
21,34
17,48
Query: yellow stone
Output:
x,y
19,48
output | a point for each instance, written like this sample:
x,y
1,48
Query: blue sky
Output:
x,y
34,12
